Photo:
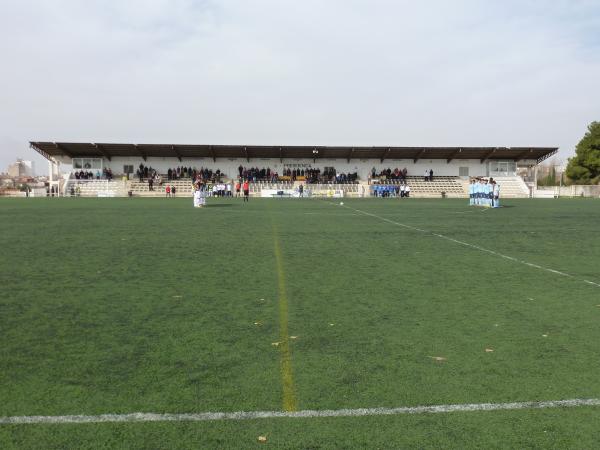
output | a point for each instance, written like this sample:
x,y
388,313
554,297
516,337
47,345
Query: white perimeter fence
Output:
x,y
567,191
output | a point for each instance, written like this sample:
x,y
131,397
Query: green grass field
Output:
x,y
150,305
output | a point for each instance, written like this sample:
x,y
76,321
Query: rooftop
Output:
x,y
144,151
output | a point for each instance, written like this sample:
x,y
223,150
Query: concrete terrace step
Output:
x,y
419,188
95,188
512,187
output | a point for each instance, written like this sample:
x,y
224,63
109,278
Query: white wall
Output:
x,y
230,165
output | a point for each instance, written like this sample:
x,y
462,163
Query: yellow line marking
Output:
x,y
287,379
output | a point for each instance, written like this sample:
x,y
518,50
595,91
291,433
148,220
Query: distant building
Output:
x,y
6,182
21,168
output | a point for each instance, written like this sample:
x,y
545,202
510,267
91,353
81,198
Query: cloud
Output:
x,y
312,72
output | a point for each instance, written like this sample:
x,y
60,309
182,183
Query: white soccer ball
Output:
x,y
341,203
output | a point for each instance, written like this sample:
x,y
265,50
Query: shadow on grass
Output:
x,y
220,205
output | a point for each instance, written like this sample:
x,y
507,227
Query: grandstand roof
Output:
x,y
102,150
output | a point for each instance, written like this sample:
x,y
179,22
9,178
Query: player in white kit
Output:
x,y
196,196
472,192
496,195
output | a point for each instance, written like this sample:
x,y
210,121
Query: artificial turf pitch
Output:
x,y
150,305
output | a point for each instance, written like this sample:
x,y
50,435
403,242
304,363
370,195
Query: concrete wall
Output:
x,y
570,191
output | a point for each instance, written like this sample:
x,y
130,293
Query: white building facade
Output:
x,y
444,161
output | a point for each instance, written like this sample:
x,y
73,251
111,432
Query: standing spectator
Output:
x,y
426,175
246,189
430,174
150,184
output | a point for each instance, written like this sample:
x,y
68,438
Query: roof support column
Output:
x,y
418,155
385,153
176,153
142,154
101,150
487,155
54,171
453,155
523,155
64,150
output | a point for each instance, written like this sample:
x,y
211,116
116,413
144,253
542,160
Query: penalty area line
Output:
x,y
249,415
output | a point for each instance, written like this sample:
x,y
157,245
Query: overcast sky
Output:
x,y
315,72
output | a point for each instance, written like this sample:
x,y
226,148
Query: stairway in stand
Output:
x,y
512,187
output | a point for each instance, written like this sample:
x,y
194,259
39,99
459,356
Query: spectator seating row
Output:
x,y
183,187
346,187
260,185
450,185
95,188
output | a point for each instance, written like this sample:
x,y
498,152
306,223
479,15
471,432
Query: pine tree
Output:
x,y
584,167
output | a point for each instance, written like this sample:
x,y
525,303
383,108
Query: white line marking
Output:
x,y
247,415
492,252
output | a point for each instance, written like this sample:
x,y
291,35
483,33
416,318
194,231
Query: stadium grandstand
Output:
x,y
120,169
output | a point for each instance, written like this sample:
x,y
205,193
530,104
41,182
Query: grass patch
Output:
x,y
150,305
